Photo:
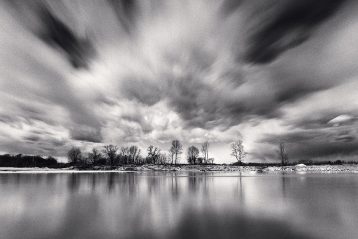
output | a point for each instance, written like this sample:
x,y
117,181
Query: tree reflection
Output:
x,y
73,182
174,187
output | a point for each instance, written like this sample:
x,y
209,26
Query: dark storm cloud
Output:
x,y
202,105
139,89
314,150
230,6
39,18
290,25
32,138
290,87
125,11
86,134
41,136
345,138
57,34
36,144
316,143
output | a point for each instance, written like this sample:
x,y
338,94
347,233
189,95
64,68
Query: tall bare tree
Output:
x,y
124,155
176,149
153,154
237,150
172,154
74,155
193,153
205,151
134,154
111,152
94,156
283,153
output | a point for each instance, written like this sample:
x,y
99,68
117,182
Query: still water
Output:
x,y
170,205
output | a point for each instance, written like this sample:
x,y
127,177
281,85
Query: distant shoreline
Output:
x,y
300,168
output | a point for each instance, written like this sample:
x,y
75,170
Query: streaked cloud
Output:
x,y
145,72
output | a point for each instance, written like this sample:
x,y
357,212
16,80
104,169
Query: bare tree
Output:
x,y
205,151
283,153
153,154
111,152
74,155
124,155
172,154
94,156
193,154
237,150
134,153
163,159
176,149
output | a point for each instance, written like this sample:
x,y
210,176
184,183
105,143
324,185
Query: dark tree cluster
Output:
x,y
193,155
20,160
112,155
109,155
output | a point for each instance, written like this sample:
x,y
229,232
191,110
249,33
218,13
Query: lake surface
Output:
x,y
185,205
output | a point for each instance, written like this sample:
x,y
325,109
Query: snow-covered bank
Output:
x,y
258,169
52,170
301,168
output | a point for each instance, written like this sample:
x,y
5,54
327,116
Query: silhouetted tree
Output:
x,y
134,154
162,159
124,155
237,150
74,155
200,160
111,152
20,160
283,153
94,156
205,151
193,154
51,161
172,154
176,149
153,154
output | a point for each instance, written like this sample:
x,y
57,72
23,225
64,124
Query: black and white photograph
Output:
x,y
178,119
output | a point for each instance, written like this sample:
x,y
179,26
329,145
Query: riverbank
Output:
x,y
300,168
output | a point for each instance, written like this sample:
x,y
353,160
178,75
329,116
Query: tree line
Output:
x,y
112,155
19,160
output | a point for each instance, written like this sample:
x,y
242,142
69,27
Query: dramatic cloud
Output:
x,y
287,25
326,143
90,72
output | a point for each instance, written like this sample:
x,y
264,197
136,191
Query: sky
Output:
x,y
88,73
